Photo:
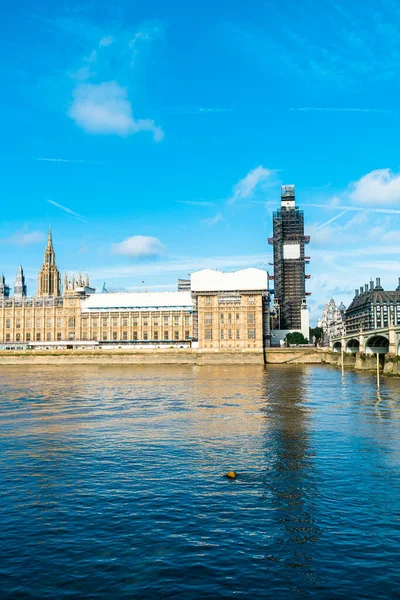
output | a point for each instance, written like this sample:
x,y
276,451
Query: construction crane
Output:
x,y
104,291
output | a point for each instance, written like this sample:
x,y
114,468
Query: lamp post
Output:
x,y
378,382
342,354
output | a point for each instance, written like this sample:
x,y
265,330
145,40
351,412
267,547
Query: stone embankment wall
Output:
x,y
390,365
144,357
303,356
167,356
274,356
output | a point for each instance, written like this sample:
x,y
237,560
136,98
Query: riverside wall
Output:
x,y
274,356
167,356
138,357
389,365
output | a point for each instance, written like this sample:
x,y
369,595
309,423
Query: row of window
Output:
x,y
85,322
250,299
251,318
114,337
375,317
228,334
40,322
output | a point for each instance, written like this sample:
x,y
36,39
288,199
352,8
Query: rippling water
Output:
x,y
112,483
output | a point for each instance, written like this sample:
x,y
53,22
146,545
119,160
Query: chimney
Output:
x,y
398,287
361,289
356,294
371,285
378,284
366,288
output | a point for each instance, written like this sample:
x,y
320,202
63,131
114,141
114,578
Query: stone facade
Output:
x,y
63,319
39,319
230,322
159,326
232,315
332,320
220,322
373,308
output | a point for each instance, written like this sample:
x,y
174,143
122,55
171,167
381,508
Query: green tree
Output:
x,y
294,338
317,333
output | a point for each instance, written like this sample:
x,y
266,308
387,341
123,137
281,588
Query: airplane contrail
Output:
x,y
323,225
65,209
389,211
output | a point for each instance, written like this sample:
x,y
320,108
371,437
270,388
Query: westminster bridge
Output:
x,y
385,340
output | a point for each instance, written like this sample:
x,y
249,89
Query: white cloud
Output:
x,y
107,40
105,108
144,36
212,110
178,266
337,109
82,74
197,110
249,184
141,35
382,236
71,160
328,235
92,58
214,220
196,202
60,160
377,187
139,246
22,238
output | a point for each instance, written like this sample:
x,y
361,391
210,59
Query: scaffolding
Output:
x,y
183,285
287,192
289,271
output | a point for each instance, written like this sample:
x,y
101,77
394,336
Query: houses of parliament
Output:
x,y
213,310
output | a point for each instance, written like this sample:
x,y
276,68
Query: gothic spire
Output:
x,y
49,283
4,289
20,285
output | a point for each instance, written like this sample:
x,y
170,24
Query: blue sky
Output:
x,y
154,137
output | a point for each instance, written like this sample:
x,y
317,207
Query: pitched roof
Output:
x,y
138,300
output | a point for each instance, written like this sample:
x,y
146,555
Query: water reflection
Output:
x,y
111,483
291,478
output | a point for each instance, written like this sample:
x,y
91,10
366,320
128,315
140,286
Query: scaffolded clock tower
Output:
x,y
289,261
49,281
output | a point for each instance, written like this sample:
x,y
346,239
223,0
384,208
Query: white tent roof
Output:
x,y
209,280
138,300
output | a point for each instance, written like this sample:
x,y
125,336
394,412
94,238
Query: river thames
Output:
x,y
112,483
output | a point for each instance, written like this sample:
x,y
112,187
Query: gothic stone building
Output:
x,y
332,320
372,308
220,311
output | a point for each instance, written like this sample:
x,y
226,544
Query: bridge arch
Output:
x,y
377,344
353,346
337,347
